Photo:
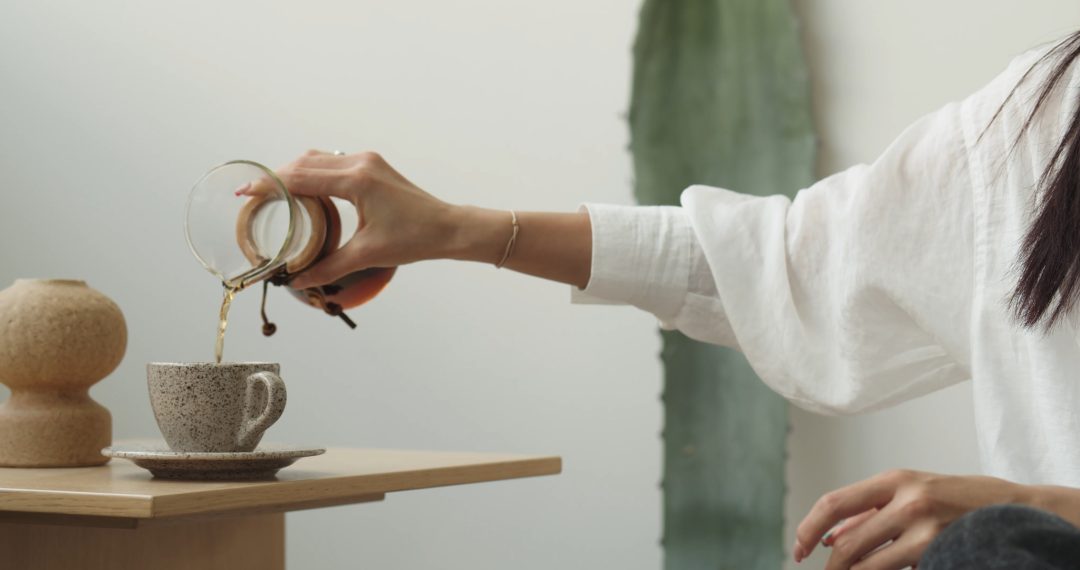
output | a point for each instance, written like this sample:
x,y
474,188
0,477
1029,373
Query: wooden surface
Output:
x,y
226,543
120,490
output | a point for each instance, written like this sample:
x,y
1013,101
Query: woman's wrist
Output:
x,y
476,234
555,246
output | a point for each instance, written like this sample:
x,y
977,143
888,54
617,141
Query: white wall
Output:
x,y
109,110
876,67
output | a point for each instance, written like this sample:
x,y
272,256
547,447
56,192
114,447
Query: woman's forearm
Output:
x,y
553,246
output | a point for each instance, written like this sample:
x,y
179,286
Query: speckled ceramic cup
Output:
x,y
202,406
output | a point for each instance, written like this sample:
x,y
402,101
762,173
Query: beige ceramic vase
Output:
x,y
57,338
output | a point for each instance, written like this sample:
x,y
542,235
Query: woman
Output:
x,y
954,256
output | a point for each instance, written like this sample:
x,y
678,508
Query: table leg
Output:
x,y
255,542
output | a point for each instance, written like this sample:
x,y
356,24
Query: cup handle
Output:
x,y
253,428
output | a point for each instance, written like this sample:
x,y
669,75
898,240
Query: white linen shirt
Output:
x,y
881,283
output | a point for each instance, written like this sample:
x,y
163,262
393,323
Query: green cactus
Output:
x,y
721,97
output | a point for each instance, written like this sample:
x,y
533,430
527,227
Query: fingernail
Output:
x,y
830,537
243,189
797,552
827,540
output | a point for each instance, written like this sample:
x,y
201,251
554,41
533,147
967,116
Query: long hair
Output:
x,y
1049,259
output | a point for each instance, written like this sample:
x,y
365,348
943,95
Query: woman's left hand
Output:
x,y
891,518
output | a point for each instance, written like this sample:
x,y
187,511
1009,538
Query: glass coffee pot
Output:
x,y
244,226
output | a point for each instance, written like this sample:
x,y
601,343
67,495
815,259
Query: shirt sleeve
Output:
x,y
854,296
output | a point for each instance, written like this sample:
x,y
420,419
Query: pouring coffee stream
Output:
x,y
244,226
223,322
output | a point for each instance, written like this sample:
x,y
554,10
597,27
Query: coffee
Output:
x,y
223,319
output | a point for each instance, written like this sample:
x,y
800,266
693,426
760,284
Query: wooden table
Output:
x,y
117,517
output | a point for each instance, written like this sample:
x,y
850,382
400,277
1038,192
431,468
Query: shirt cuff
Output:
x,y
640,256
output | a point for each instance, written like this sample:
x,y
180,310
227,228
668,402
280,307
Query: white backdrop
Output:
x,y
110,110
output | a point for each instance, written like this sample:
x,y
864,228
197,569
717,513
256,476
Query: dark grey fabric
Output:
x,y
1005,536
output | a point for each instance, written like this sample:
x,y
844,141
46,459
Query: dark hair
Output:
x,y
1049,260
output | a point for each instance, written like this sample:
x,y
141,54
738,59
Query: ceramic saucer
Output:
x,y
164,463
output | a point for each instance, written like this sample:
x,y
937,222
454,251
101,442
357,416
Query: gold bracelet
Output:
x,y
509,244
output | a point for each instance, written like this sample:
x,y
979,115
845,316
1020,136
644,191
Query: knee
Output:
x,y
984,534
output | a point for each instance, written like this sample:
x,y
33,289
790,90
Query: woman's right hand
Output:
x,y
398,222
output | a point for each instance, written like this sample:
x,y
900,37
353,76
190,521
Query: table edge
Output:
x,y
340,490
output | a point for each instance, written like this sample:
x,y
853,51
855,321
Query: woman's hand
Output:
x,y
398,222
890,519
